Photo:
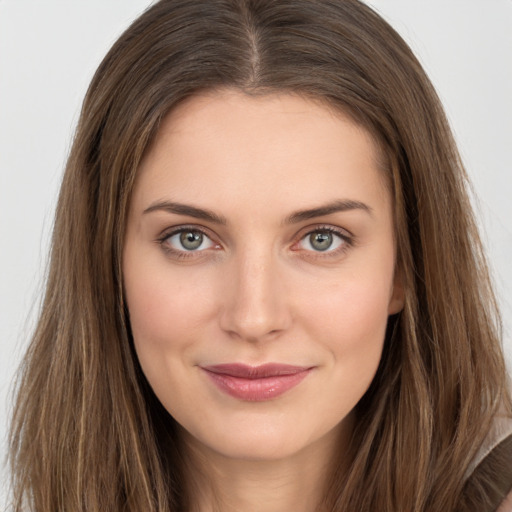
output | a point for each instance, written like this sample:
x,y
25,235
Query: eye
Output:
x,y
323,240
187,240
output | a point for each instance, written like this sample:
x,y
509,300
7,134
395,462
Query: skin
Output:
x,y
506,506
257,290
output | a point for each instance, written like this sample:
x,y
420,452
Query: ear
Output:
x,y
397,299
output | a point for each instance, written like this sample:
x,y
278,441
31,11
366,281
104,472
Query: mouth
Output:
x,y
256,383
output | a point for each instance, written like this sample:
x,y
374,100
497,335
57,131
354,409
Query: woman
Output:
x,y
266,289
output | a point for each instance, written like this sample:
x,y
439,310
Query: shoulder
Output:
x,y
492,468
500,431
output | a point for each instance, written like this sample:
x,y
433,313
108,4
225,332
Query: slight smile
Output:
x,y
256,383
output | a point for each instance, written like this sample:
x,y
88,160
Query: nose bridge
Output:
x,y
256,304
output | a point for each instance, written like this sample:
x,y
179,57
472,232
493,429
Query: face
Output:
x,y
259,271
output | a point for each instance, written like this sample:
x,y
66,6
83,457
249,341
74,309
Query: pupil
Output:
x,y
321,241
191,240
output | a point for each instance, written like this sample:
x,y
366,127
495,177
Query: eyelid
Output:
x,y
308,230
348,240
175,230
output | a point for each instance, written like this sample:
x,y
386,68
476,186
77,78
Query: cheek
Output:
x,y
165,312
356,332
350,320
161,302
166,317
154,310
355,306
357,328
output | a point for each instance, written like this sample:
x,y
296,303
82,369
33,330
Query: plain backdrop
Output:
x,y
50,49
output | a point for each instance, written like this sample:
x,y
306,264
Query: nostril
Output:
x,y
254,325
254,305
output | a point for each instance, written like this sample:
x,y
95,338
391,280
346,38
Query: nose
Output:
x,y
256,306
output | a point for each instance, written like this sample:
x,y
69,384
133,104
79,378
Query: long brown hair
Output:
x,y
88,434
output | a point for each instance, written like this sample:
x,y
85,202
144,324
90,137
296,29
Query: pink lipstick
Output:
x,y
256,383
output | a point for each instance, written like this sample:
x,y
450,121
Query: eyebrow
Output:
x,y
298,216
188,210
334,207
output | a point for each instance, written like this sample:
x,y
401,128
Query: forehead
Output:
x,y
281,146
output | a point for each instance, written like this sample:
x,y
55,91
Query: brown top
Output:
x,y
501,429
494,457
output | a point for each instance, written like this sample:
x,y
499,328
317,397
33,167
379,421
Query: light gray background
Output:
x,y
50,49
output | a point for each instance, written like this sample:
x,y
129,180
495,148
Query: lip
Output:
x,y
256,383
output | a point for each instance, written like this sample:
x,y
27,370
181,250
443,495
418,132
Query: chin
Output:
x,y
263,439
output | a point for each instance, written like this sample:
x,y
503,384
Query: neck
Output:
x,y
222,484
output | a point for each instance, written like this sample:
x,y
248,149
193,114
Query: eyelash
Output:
x,y
347,241
182,254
